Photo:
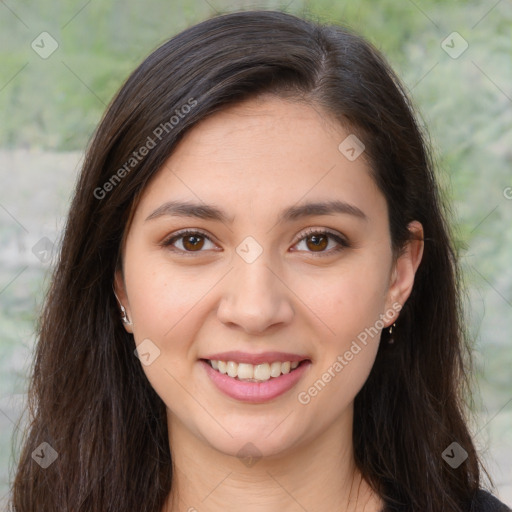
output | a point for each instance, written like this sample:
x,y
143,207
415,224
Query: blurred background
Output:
x,y
61,63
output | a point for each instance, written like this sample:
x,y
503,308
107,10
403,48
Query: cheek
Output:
x,y
165,306
346,300
161,296
349,306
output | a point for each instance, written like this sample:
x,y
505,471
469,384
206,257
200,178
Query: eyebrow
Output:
x,y
212,212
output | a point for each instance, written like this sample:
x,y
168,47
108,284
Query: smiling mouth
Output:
x,y
254,372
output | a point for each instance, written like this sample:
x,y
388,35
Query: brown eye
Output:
x,y
316,241
319,242
191,242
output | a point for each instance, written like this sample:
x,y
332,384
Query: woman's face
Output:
x,y
252,280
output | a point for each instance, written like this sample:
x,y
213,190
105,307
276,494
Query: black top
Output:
x,y
486,502
483,501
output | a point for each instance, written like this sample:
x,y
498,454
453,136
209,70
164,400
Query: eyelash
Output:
x,y
342,243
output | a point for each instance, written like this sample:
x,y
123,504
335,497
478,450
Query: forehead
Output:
x,y
261,153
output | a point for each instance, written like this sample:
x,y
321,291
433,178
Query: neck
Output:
x,y
317,475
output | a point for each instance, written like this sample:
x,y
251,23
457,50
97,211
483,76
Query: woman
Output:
x,y
256,305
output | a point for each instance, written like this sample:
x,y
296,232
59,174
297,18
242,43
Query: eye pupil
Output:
x,y
194,245
316,243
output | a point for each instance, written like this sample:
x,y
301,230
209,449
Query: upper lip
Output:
x,y
264,357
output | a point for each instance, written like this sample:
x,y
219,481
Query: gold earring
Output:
x,y
390,330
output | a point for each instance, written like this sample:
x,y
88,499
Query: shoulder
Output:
x,y
486,502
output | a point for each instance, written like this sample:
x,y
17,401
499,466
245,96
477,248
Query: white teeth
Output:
x,y
275,369
223,366
232,368
245,371
260,372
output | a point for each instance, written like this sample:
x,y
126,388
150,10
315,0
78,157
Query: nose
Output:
x,y
255,298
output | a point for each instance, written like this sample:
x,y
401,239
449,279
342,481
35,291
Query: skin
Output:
x,y
252,160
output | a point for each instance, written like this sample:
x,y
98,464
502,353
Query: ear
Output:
x,y
120,290
404,269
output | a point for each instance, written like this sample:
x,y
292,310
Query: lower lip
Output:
x,y
256,392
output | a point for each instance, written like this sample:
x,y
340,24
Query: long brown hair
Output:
x,y
89,398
